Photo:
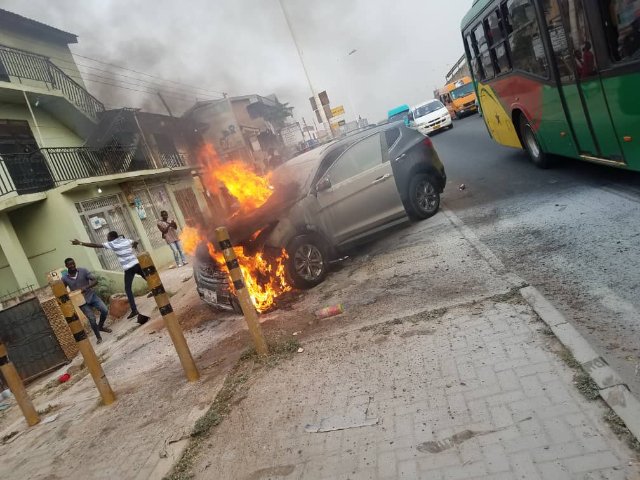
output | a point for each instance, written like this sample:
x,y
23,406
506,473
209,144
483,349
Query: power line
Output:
x,y
134,71
151,87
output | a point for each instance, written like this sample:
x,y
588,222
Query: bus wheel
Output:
x,y
531,145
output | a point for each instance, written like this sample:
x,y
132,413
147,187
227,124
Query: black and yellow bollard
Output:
x,y
248,309
84,344
16,386
169,316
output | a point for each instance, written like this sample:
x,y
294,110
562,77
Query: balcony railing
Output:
x,y
24,65
49,167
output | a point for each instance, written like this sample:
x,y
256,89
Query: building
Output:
x,y
71,169
239,127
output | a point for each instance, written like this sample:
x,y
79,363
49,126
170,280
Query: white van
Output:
x,y
431,116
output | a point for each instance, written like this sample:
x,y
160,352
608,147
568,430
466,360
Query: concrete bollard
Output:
x,y
248,309
84,345
17,388
169,316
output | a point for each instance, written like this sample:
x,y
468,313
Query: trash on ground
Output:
x,y
50,418
4,406
300,350
64,377
297,333
330,311
462,186
339,425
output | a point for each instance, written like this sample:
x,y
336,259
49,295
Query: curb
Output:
x,y
612,389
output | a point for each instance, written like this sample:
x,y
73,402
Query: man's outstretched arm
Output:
x,y
75,241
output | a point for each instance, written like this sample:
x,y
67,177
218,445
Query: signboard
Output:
x,y
324,98
339,110
291,134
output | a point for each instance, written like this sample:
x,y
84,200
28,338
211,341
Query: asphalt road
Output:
x,y
572,231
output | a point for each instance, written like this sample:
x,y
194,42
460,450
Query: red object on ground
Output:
x,y
64,377
330,311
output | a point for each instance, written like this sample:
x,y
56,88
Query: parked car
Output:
x,y
335,196
212,282
431,116
343,193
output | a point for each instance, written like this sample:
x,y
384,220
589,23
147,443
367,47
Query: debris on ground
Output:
x,y
331,311
300,350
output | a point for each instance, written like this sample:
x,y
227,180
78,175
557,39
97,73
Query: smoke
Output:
x,y
404,49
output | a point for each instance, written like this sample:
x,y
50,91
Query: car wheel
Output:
x,y
307,263
531,145
424,198
451,126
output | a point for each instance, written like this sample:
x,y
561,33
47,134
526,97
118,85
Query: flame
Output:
x,y
248,188
190,238
264,276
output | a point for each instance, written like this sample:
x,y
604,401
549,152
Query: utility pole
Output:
x,y
323,116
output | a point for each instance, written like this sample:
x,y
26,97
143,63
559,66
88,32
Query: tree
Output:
x,y
277,115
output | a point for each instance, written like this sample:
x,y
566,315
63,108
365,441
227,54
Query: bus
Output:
x,y
559,77
459,97
399,113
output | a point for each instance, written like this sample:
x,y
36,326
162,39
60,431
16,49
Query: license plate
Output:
x,y
210,296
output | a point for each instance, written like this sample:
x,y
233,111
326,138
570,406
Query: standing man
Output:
x,y
123,248
83,280
169,231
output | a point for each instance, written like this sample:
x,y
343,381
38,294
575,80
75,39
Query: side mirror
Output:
x,y
324,184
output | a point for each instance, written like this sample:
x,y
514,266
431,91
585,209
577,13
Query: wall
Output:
x,y
54,133
8,282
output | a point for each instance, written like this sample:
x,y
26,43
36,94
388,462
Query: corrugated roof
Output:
x,y
13,21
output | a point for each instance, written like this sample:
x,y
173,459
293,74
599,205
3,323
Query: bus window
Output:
x,y
527,50
485,57
622,26
567,61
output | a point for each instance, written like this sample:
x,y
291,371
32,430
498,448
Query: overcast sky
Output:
x,y
404,48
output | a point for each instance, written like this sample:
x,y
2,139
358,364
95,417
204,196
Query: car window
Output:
x,y
360,157
391,136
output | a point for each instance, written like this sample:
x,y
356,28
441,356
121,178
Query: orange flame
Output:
x,y
264,277
248,188
190,238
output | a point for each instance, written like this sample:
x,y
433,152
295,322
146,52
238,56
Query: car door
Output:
x,y
358,193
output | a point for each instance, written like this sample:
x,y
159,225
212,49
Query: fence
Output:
x,y
25,65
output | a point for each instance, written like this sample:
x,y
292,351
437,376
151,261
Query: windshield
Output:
x,y
462,91
430,107
398,116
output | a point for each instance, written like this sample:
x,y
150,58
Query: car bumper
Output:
x,y
467,111
424,129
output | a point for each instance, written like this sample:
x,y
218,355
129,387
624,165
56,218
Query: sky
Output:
x,y
404,48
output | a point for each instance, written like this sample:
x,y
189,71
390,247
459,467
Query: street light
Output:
x,y
346,82
323,116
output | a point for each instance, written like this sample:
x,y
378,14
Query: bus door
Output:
x,y
587,108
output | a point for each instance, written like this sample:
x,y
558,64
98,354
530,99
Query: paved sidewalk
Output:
x,y
476,392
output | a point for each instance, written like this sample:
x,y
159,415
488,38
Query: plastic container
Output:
x,y
331,311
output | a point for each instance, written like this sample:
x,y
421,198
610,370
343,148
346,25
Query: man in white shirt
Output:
x,y
123,248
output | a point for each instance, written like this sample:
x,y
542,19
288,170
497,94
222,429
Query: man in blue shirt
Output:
x,y
83,280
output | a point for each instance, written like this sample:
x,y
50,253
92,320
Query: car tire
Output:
x,y
307,263
424,197
530,143
451,126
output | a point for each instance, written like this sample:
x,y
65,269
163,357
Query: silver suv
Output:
x,y
340,194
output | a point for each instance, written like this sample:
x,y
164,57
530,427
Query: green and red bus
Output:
x,y
559,77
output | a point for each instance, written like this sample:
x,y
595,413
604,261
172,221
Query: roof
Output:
x,y
270,100
13,21
478,6
396,110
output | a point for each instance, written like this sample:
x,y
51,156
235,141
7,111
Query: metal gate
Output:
x,y
154,200
31,343
100,216
189,205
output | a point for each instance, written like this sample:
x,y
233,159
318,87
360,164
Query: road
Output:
x,y
572,231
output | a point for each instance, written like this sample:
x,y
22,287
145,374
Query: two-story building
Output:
x,y
71,169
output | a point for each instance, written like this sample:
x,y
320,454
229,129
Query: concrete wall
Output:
x,y
54,133
8,282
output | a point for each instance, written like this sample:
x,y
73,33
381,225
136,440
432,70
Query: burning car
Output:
x,y
329,199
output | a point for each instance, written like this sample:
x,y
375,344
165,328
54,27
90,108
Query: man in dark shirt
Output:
x,y
83,280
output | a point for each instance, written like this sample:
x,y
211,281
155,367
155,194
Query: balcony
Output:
x,y
17,66
47,168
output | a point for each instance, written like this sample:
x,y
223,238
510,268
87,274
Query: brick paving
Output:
x,y
476,393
